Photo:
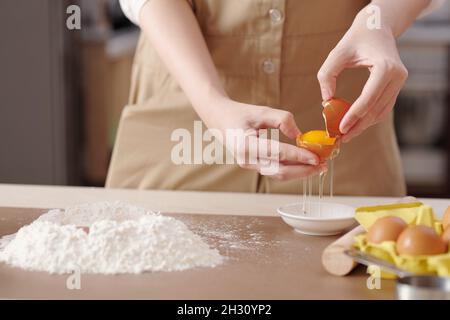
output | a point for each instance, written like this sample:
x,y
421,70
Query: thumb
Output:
x,y
328,73
281,119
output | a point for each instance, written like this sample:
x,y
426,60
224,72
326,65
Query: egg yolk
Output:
x,y
317,137
323,142
318,142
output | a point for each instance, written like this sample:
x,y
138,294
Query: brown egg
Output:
x,y
333,112
446,236
446,219
420,240
386,229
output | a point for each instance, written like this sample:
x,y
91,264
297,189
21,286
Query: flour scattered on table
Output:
x,y
232,234
121,239
235,234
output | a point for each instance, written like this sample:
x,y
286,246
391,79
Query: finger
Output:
x,y
357,129
389,106
279,119
329,71
385,102
289,172
384,113
391,92
373,88
292,154
380,115
283,152
369,119
237,143
252,149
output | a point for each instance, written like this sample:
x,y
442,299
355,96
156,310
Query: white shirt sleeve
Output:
x,y
132,8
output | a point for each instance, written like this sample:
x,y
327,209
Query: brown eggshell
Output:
x,y
321,150
386,229
420,240
446,236
446,219
333,112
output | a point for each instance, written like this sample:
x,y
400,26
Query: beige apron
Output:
x,y
268,53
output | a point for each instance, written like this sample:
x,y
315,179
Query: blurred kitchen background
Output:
x,y
62,91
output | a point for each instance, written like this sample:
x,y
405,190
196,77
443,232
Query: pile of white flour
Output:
x,y
121,239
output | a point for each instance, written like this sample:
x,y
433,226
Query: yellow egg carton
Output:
x,y
414,213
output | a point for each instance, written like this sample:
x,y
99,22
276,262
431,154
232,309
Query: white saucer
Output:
x,y
323,219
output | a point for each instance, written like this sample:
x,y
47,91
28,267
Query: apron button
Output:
x,y
275,15
268,66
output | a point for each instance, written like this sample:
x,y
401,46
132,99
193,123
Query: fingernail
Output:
x,y
346,128
326,94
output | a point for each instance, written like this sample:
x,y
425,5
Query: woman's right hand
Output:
x,y
174,32
265,154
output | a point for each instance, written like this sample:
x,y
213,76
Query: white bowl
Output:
x,y
322,219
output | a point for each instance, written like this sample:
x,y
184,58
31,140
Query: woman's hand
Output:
x,y
173,30
264,154
376,50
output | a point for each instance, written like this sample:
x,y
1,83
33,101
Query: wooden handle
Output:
x,y
333,258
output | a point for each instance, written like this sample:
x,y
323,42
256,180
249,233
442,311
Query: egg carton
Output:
x,y
413,214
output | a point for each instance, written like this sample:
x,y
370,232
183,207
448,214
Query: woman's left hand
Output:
x,y
376,50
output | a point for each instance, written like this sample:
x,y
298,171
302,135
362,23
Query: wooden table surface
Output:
x,y
279,264
27,196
